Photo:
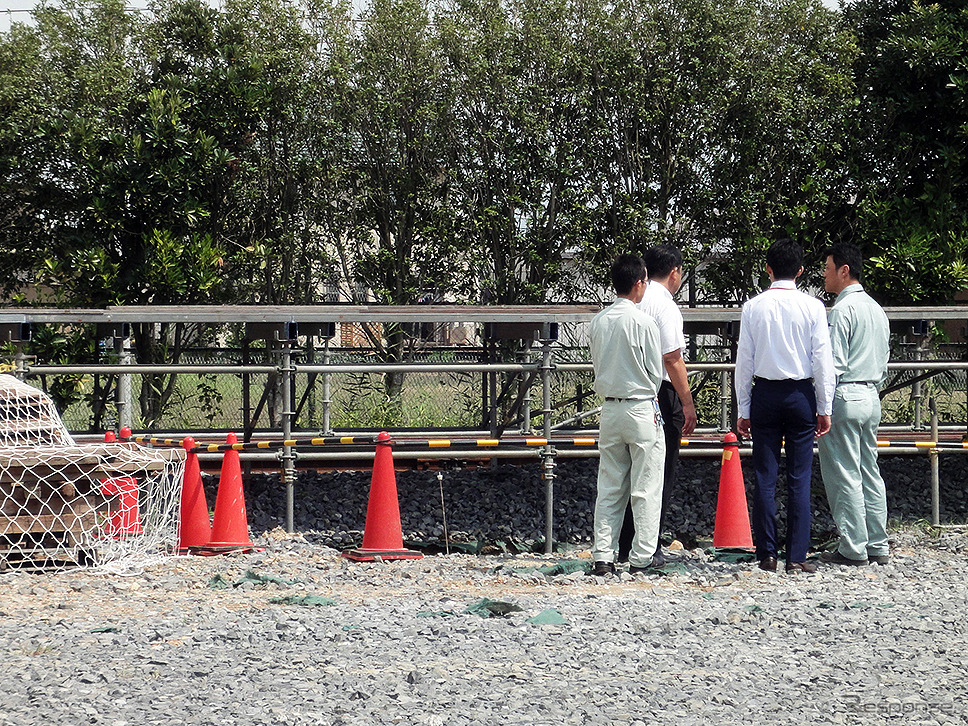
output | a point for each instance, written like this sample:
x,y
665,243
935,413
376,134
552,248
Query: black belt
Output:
x,y
782,380
613,398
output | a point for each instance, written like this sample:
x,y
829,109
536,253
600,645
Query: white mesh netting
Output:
x,y
65,505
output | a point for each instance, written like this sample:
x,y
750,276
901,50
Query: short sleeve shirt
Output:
x,y
659,303
624,344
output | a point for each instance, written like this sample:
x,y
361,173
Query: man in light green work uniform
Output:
x,y
860,339
624,343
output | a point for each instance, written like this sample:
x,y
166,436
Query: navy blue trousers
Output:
x,y
782,413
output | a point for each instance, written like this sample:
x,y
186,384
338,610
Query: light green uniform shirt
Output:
x,y
625,352
859,337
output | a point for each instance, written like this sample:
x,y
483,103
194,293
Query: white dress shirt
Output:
x,y
659,303
783,335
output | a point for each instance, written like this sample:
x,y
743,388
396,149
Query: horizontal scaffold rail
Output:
x,y
392,314
136,368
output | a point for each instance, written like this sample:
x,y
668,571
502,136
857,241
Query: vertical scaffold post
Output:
x,y
327,400
933,457
549,333
525,391
725,393
920,330
724,400
288,455
20,364
18,334
122,346
248,423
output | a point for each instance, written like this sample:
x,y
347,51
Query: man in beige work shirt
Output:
x,y
626,356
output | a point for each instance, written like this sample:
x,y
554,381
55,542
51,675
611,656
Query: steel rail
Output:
x,y
149,369
145,368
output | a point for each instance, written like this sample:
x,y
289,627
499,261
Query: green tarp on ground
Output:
x,y
304,600
256,579
491,608
548,617
218,582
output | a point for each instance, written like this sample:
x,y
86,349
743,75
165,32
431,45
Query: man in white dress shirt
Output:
x,y
624,344
784,390
664,264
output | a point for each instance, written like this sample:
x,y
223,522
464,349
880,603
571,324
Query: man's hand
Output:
x,y
743,427
689,411
823,424
676,368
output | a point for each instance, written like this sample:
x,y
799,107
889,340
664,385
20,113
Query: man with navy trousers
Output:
x,y
784,383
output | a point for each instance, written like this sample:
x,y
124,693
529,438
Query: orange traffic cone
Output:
x,y
124,515
732,516
194,529
125,518
383,535
230,528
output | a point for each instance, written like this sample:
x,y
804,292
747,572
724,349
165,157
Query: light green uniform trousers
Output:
x,y
848,463
630,468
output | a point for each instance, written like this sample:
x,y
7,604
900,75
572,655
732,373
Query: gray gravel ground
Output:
x,y
715,644
710,643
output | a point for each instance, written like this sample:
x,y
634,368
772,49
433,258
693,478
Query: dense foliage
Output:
x,y
911,148
498,151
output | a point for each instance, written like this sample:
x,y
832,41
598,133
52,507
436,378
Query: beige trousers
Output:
x,y
632,450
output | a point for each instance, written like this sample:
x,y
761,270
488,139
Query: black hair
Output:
x,y
846,253
785,258
626,271
660,260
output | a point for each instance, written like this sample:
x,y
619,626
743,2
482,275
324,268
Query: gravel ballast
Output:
x,y
298,635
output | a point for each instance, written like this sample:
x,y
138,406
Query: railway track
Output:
x,y
464,450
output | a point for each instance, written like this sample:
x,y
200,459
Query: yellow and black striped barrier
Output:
x,y
494,443
250,445
315,441
370,440
883,443
154,441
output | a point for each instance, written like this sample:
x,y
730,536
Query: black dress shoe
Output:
x,y
801,566
879,559
600,569
657,561
835,558
768,564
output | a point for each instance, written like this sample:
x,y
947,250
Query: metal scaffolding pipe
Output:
x,y
418,368
134,368
935,468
